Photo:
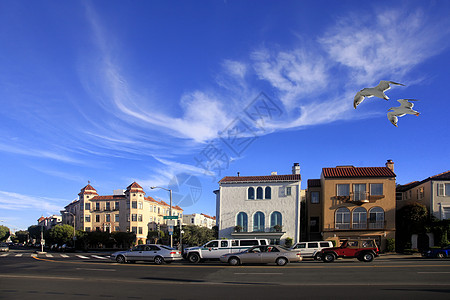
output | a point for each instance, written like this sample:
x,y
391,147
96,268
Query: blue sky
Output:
x,y
113,92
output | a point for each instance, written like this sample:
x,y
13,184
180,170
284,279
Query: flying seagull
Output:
x,y
399,111
377,91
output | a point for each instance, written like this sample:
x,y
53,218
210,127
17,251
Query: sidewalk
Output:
x,y
393,255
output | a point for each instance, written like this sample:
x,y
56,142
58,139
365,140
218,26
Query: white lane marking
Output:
x,y
83,257
433,272
99,257
19,255
6,254
48,255
64,255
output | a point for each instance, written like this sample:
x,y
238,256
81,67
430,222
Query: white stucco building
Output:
x,y
199,220
252,206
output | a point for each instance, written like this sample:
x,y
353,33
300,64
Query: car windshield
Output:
x,y
167,248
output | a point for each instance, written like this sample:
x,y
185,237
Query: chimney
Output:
x,y
239,174
296,168
390,164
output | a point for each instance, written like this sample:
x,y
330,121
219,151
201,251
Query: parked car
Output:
x,y
312,249
438,253
216,248
263,254
363,250
4,247
158,254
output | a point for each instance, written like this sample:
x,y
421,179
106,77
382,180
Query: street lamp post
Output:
x,y
170,207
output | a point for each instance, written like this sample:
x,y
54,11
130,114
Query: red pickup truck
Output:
x,y
363,250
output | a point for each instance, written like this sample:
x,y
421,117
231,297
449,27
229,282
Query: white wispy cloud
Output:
x,y
16,201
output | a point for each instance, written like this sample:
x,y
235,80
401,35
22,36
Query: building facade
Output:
x,y
199,220
350,202
49,222
126,210
433,192
260,206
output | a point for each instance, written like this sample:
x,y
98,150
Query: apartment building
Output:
x,y
433,192
350,202
260,206
49,222
125,210
199,220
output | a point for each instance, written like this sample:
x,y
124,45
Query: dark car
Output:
x,y
438,253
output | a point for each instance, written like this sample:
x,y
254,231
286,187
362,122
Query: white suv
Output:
x,y
213,250
312,249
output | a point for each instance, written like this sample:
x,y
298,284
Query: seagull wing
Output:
x,y
392,118
406,103
384,85
358,99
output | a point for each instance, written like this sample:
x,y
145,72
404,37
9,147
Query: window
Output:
x,y
116,217
139,218
141,205
359,192
87,206
108,206
251,193
268,193
108,218
324,244
301,246
88,218
276,219
116,205
117,228
376,189
134,204
134,229
128,204
249,242
223,244
140,230
213,244
288,191
314,224
259,193
128,219
342,218
258,221
446,212
242,220
342,190
376,218
134,217
315,198
359,218
97,218
313,245
420,193
97,206
88,229
447,189
97,229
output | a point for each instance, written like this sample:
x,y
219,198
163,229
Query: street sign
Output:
x,y
170,217
170,229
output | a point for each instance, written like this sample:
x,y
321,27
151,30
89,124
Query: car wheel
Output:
x,y
440,255
234,261
194,258
159,260
328,257
318,256
281,261
120,259
367,257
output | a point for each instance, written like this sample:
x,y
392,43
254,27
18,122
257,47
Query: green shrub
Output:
x,y
288,242
390,245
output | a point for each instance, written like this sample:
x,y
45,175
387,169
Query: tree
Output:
x,y
411,219
197,235
124,239
4,233
35,232
61,234
22,236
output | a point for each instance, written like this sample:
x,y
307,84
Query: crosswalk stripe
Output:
x,y
99,257
33,255
64,255
48,255
18,255
81,256
5,254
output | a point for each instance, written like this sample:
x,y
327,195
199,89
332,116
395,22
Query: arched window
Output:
x,y
376,218
259,193
242,220
258,221
268,193
342,218
359,218
251,193
276,219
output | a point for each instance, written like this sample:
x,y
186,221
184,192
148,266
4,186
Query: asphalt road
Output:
x,y
24,275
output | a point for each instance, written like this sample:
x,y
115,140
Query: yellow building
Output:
x,y
126,210
350,202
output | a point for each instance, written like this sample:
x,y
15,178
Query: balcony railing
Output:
x,y
361,197
358,226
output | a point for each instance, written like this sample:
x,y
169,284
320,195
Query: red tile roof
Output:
x,y
110,197
162,203
314,183
134,188
408,186
441,176
351,171
88,189
206,216
269,178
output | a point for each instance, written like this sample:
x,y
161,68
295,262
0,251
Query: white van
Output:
x,y
212,250
312,249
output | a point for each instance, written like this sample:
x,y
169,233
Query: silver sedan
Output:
x,y
159,254
263,254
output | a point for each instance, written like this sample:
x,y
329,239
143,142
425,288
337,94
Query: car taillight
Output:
x,y
174,252
299,254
